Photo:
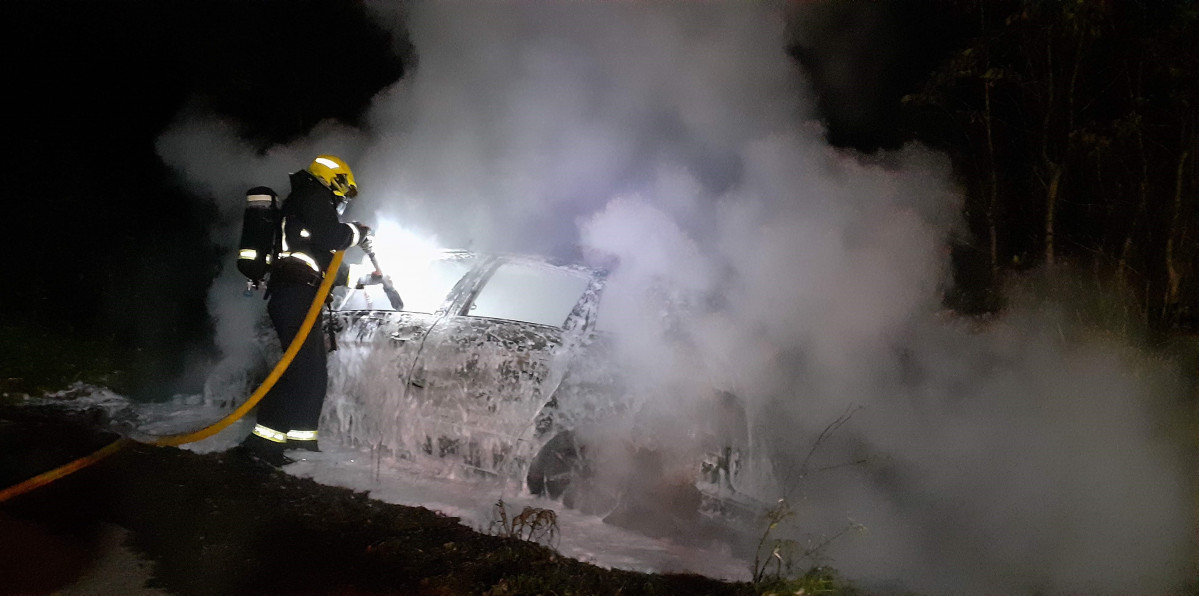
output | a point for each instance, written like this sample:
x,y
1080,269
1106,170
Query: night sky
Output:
x,y
107,243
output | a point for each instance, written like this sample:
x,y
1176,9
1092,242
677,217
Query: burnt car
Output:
x,y
500,365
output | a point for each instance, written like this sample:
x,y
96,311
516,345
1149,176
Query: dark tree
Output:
x,y
1073,126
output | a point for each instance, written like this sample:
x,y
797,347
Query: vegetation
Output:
x,y
533,524
784,565
1074,130
39,358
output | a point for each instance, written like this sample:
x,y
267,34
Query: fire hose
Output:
x,y
212,429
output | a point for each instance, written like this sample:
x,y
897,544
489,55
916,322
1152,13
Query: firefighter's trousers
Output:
x,y
293,405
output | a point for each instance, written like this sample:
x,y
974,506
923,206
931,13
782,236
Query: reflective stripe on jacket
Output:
x,y
310,224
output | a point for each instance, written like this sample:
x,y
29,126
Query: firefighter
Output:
x,y
288,415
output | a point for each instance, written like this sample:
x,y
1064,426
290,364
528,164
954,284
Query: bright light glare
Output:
x,y
415,265
398,248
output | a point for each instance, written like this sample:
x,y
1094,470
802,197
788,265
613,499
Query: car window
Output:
x,y
530,293
422,286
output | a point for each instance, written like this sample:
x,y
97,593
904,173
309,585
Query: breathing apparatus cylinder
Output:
x,y
260,230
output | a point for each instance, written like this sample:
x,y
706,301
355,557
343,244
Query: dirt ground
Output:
x,y
163,520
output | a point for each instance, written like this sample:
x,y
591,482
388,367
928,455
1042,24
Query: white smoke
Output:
x,y
1024,456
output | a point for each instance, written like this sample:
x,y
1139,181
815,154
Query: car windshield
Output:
x,y
530,293
423,286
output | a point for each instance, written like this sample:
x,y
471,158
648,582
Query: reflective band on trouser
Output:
x,y
301,435
269,434
311,262
247,253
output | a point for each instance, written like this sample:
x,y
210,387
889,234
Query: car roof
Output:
x,y
525,259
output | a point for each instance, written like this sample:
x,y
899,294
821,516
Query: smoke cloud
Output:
x,y
1027,454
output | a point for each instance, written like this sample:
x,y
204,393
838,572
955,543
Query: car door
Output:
x,y
370,371
487,368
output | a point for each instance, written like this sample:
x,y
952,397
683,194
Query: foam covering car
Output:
x,y
498,365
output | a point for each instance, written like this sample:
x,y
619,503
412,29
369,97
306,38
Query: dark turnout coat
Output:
x,y
310,224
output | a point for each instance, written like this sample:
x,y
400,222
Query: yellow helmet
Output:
x,y
333,172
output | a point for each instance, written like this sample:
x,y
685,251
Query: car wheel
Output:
x,y
561,471
555,466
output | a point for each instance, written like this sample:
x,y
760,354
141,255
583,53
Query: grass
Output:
x,y
534,524
35,359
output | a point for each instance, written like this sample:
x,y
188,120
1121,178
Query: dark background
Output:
x,y
108,251
106,245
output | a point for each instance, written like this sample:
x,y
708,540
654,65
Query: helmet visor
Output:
x,y
344,186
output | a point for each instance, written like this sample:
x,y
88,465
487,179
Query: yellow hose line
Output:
x,y
48,477
313,312
212,429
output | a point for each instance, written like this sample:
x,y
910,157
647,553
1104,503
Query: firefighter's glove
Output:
x,y
366,237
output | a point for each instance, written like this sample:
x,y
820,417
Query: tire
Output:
x,y
556,466
561,471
